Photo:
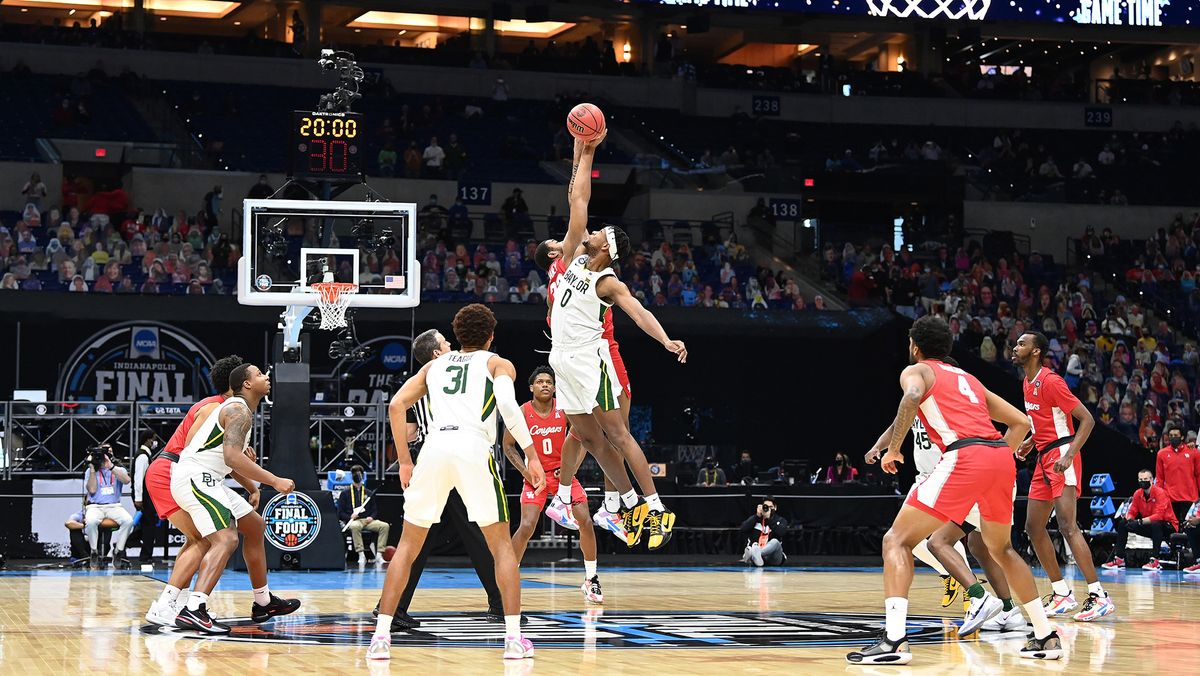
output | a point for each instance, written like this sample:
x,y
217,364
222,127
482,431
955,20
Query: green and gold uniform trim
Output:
x,y
501,502
604,395
220,515
489,400
215,437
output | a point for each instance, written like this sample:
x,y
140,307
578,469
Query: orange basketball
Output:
x,y
585,122
388,553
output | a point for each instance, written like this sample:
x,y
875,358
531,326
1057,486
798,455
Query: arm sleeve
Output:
x,y
510,411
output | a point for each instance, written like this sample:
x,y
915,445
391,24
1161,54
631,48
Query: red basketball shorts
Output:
x,y
528,497
966,476
1048,484
158,485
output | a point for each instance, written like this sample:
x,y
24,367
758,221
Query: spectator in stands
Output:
x,y
1150,515
1178,471
9,283
763,532
840,471
77,284
261,190
458,216
456,158
433,157
710,474
412,161
34,190
745,472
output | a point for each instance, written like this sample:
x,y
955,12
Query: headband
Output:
x,y
611,235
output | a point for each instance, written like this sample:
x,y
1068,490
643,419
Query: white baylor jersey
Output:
x,y
460,394
925,453
577,318
206,450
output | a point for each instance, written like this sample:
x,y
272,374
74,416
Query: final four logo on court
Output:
x,y
293,521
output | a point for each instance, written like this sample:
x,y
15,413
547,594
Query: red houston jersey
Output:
x,y
179,437
557,268
549,434
1049,403
955,407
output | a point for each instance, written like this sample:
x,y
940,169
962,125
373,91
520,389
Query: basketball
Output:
x,y
585,122
388,553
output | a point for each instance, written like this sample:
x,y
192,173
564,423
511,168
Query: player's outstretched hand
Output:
x,y
890,459
677,348
872,456
284,485
1025,448
406,472
590,146
536,478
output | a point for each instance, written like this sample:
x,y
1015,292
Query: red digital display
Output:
x,y
326,145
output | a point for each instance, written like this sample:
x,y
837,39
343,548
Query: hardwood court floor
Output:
x,y
55,622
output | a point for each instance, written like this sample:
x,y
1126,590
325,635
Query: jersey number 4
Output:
x,y
459,384
964,388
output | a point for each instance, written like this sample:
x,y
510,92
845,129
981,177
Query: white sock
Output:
x,y
196,599
383,625
1037,617
589,569
169,595
612,502
896,610
512,627
655,503
629,499
922,553
1060,587
564,493
262,596
1095,588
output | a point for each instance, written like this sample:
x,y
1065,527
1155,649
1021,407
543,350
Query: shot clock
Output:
x,y
326,146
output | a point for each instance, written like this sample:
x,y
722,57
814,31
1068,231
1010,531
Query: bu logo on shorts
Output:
x,y
293,521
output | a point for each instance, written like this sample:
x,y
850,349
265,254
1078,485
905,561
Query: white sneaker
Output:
x,y
378,558
591,590
517,648
1005,620
561,514
162,614
381,647
981,610
756,555
362,558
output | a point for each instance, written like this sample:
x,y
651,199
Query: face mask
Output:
x,y
1175,441
1145,485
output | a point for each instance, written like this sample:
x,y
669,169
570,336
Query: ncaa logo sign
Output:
x,y
145,342
293,521
394,356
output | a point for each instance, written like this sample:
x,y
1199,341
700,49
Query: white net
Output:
x,y
332,299
972,10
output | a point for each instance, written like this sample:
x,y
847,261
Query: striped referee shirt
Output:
x,y
418,413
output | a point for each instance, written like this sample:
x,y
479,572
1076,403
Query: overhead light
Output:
x,y
357,30
406,20
237,23
196,9
71,13
627,52
402,32
162,18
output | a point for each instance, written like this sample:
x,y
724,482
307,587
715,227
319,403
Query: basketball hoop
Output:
x,y
333,298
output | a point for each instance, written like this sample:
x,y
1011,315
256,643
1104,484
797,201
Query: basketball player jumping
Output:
x,y
216,446
549,257
1053,410
158,485
976,467
466,387
548,428
581,358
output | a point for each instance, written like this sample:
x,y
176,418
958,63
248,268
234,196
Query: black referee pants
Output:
x,y
153,532
455,516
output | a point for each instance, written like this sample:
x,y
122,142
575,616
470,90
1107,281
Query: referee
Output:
x,y
427,347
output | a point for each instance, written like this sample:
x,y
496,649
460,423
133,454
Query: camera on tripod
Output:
x,y
349,77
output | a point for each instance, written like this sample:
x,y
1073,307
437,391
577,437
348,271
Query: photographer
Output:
x,y
763,531
104,481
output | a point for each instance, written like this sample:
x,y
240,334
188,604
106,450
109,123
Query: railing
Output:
x,y
51,439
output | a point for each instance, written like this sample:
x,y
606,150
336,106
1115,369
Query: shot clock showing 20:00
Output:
x,y
326,145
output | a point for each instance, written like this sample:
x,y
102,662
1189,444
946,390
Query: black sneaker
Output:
x,y
497,615
274,608
94,561
199,620
1049,648
402,621
375,613
882,652
659,525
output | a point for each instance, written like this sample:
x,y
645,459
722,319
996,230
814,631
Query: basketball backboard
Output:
x,y
291,244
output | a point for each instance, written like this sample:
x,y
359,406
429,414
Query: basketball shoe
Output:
x,y
1056,604
611,523
982,609
162,614
274,608
882,651
381,647
1005,620
1095,607
632,519
1153,565
660,525
1049,648
591,590
199,620
950,590
1117,563
517,648
1193,569
561,514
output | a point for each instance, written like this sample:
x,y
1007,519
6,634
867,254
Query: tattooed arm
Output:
x,y
915,382
236,421
579,193
529,466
